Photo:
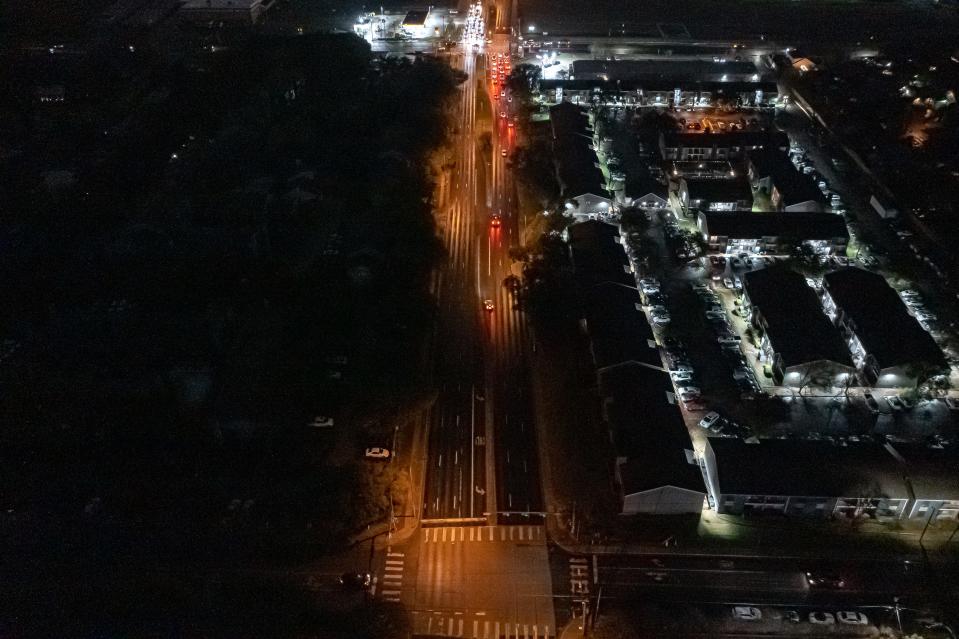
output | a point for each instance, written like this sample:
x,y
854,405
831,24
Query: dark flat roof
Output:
x,y
660,84
618,330
883,325
663,68
749,225
795,323
647,429
595,254
807,468
713,190
933,472
575,161
794,186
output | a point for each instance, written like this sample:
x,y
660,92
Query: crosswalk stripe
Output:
x,y
502,534
393,568
525,631
444,534
490,529
531,529
475,628
390,592
394,554
496,631
392,599
450,627
459,628
485,630
394,562
521,533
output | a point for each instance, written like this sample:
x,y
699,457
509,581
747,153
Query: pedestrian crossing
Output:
x,y
474,626
391,586
467,534
579,579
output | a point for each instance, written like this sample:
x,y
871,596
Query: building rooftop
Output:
x,y
712,190
648,429
618,330
933,472
596,255
749,225
781,297
807,468
576,162
884,327
793,186
649,83
415,18
670,70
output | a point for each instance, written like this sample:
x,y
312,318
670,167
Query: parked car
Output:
x,y
355,580
687,395
681,376
709,419
729,340
894,403
715,314
823,579
791,616
747,613
821,618
852,617
871,403
377,453
728,282
321,421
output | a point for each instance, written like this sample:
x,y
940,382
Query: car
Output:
x,y
377,453
791,616
808,170
736,262
728,282
488,306
894,403
502,114
321,421
821,618
503,152
852,617
495,221
510,124
680,366
502,93
741,372
737,283
709,419
925,316
824,579
715,314
687,395
909,293
355,580
681,376
871,403
729,340
747,613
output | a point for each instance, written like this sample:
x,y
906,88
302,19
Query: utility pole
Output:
x,y
599,597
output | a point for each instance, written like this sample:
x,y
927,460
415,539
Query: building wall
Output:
x,y
666,500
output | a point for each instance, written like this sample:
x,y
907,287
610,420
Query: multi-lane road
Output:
x,y
481,458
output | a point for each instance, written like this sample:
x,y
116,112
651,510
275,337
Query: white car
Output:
x,y
821,618
715,315
681,376
709,419
689,394
747,613
728,282
377,453
321,421
853,618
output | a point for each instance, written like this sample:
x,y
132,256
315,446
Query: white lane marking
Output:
x,y
390,592
485,630
472,530
395,554
475,628
444,534
490,529
459,626
394,562
462,534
